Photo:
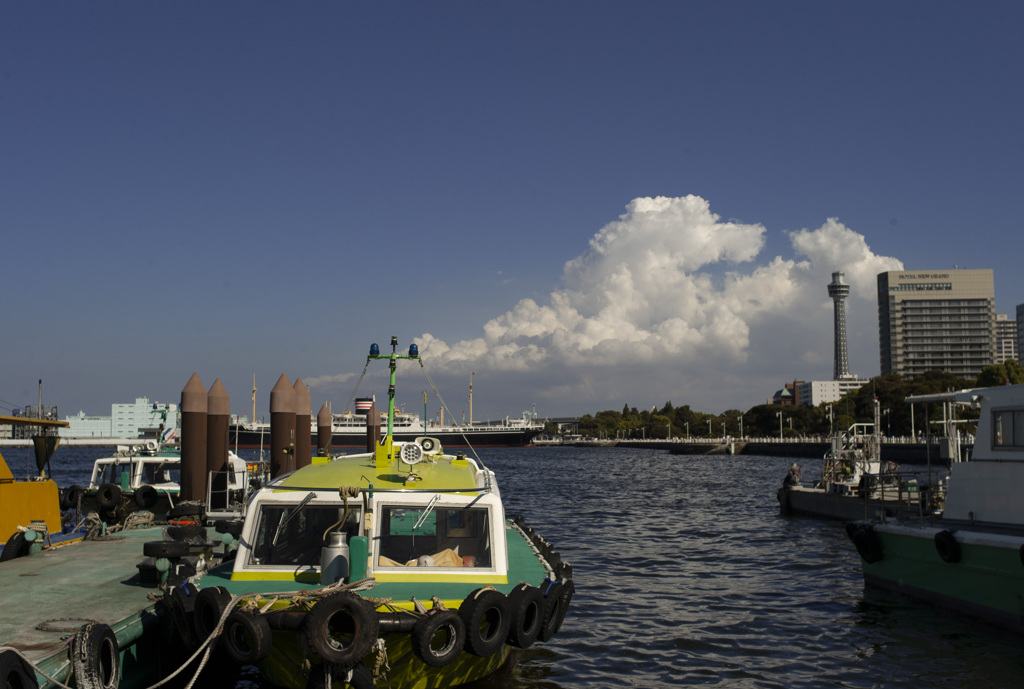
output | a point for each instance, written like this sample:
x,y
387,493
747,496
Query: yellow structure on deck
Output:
x,y
29,500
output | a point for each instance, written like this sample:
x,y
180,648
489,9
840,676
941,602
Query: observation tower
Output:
x,y
839,291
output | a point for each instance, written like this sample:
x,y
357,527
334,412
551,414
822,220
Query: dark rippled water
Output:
x,y
687,575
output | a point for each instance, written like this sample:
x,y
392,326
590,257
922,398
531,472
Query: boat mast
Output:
x,y
470,398
253,398
393,365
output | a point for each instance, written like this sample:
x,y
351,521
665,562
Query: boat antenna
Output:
x,y
387,444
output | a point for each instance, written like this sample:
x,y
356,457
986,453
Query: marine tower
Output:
x,y
839,291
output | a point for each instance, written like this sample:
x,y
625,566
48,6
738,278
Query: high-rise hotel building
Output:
x,y
941,320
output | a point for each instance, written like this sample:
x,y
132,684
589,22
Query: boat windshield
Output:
x,y
434,537
108,472
159,473
294,534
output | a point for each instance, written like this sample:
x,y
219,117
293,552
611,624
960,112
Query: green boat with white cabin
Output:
x,y
393,568
971,556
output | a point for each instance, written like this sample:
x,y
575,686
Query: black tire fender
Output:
x,y
229,526
324,674
526,604
165,548
444,626
554,609
16,672
188,509
69,497
16,546
181,601
146,496
869,545
210,606
246,639
96,657
108,495
487,617
947,546
342,628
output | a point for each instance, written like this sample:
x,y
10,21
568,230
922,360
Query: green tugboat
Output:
x,y
971,557
393,568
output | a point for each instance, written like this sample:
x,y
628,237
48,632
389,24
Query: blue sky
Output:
x,y
587,204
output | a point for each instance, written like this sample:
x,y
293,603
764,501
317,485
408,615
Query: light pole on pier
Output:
x,y
709,428
779,414
687,429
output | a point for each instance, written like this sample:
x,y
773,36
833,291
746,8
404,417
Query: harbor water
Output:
x,y
687,575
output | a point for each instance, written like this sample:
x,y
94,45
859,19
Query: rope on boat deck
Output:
x,y
303,596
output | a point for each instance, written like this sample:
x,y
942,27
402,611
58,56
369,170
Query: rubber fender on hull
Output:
x,y
181,601
864,537
15,672
342,628
526,604
556,604
947,546
487,617
146,496
108,495
96,657
324,675
438,638
69,497
210,606
247,638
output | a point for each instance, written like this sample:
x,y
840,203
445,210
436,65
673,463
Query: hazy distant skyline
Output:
x,y
585,204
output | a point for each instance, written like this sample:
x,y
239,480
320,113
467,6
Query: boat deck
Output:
x,y
63,588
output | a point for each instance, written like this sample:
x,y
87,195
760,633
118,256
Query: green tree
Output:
x,y
1009,372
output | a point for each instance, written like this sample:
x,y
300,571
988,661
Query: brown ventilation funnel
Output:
x,y
193,440
323,432
303,425
218,414
282,427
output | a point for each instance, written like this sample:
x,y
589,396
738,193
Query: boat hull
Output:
x,y
285,666
982,577
831,505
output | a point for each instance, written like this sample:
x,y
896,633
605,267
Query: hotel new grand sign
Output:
x,y
923,276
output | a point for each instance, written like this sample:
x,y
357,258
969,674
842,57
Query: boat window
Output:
x,y
1008,428
159,473
108,473
435,536
294,534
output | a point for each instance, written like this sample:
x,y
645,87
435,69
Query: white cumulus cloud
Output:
x,y
670,302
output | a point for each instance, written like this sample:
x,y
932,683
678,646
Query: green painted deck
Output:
x,y
91,580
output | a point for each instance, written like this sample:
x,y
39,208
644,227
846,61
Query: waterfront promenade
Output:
x,y
897,449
